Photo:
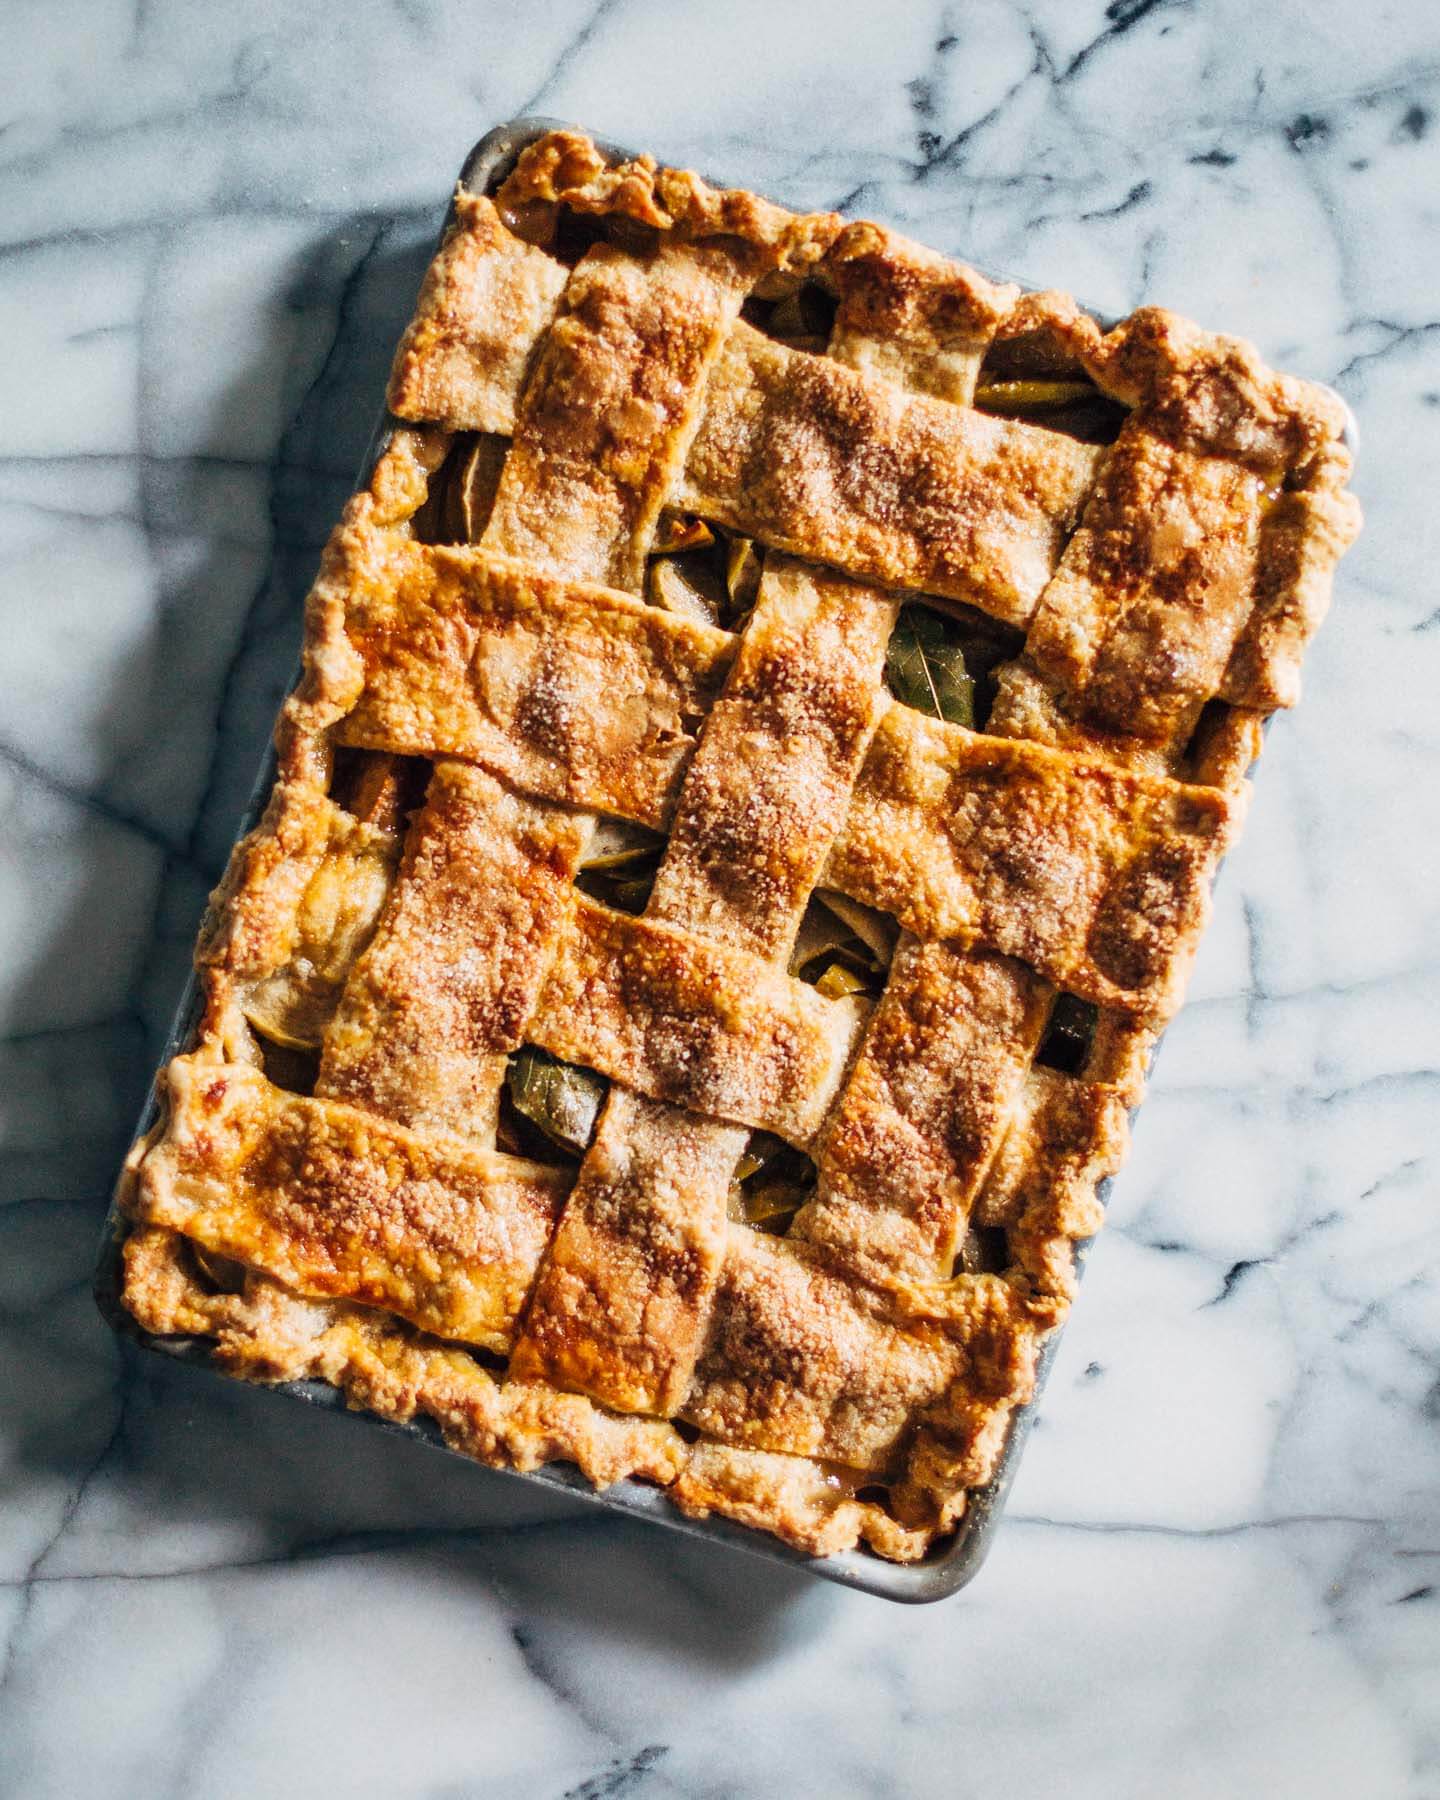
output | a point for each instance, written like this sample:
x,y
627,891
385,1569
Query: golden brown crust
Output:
x,y
253,920
917,322
1133,634
622,1302
610,408
932,1091
462,654
332,1201
267,1333
400,482
1206,393
1212,394
485,304
448,985
848,1384
927,1103
1097,878
1065,1137
1306,532
837,466
297,905
564,168
810,1506
805,1358
910,316
700,1025
1226,745
1190,577
769,786
621,1308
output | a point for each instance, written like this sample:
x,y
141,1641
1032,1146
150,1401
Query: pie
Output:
x,y
767,733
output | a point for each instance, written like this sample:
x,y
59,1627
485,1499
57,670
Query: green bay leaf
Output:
x,y
925,667
562,1099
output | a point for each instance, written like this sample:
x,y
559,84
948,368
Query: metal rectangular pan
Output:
x,y
941,1574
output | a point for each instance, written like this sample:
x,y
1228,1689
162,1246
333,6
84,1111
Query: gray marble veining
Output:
x,y
1221,1570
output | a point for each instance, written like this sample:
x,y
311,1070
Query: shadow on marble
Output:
x,y
213,1455
149,777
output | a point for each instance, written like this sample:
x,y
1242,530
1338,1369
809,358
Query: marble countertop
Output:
x,y
1220,1573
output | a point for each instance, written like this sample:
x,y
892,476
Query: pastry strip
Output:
x,y
845,469
472,655
300,898
1134,632
444,991
680,1018
610,408
806,1359
623,1302
1065,1137
945,1053
485,304
334,1202
927,1104
910,316
1097,878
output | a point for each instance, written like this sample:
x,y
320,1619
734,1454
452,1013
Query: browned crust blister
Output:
x,y
850,1382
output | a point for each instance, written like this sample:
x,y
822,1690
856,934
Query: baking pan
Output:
x,y
947,1569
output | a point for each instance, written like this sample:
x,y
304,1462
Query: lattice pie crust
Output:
x,y
324,1194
